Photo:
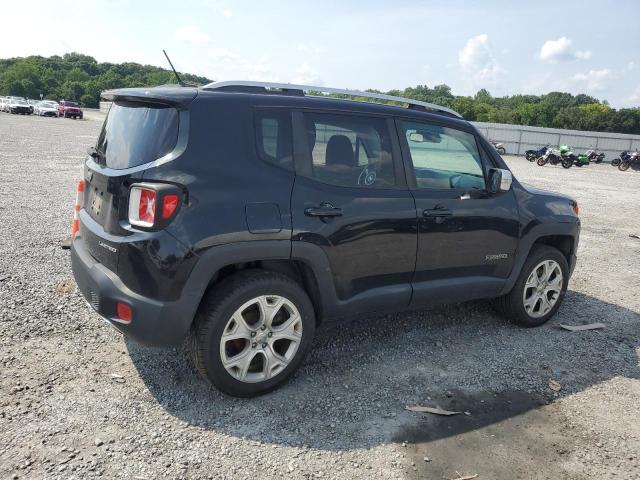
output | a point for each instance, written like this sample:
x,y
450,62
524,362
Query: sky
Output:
x,y
507,47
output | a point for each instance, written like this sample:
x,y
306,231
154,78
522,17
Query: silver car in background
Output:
x,y
46,108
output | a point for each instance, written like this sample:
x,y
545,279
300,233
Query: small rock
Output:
x,y
97,442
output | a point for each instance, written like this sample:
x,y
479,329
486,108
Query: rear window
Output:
x,y
135,133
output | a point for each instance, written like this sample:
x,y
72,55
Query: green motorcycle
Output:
x,y
577,160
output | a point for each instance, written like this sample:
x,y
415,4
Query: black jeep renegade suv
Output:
x,y
243,216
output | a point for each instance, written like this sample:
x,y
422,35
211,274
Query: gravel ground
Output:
x,y
79,401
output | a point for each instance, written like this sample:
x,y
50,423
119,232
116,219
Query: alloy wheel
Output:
x,y
542,289
261,338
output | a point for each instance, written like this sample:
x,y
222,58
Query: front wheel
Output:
x,y
568,163
623,166
252,332
615,162
539,290
541,161
501,151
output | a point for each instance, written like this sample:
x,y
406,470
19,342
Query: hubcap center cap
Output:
x,y
261,338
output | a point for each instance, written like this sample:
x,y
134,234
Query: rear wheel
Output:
x,y
567,163
539,290
501,150
252,332
623,166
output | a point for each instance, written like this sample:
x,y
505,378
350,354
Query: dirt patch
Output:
x,y
64,287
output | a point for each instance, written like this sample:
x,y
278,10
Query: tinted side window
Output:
x,y
273,137
442,157
350,151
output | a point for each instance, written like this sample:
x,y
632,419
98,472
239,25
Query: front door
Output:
x,y
467,236
351,201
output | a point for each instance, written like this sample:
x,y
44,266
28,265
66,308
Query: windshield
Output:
x,y
70,104
20,102
135,133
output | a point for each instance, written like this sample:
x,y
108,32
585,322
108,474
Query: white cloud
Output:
x,y
310,49
191,34
229,65
477,59
306,75
560,50
218,7
631,65
594,80
583,54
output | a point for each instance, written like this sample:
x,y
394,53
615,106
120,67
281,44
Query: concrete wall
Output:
x,y
517,139
104,106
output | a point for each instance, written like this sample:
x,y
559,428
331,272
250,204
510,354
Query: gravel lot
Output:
x,y
79,401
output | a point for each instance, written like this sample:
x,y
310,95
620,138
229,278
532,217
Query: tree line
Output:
x,y
81,78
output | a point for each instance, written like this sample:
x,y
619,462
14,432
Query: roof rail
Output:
x,y
289,87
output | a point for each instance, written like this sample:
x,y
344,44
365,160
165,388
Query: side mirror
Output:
x,y
499,180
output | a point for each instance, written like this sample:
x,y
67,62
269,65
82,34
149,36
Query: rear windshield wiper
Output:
x,y
97,155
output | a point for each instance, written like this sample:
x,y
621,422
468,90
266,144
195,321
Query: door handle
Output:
x,y
323,210
437,211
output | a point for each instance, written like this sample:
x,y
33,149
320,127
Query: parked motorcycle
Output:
x,y
533,155
582,160
633,159
554,156
623,157
594,156
499,147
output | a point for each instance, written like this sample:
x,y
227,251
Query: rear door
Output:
x,y
350,200
467,236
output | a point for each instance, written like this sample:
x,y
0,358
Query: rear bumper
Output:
x,y
154,322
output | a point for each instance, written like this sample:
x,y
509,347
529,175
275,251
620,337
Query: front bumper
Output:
x,y
20,110
154,322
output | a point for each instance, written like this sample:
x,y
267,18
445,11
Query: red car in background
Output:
x,y
69,109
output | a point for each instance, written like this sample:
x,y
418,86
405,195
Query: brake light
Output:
x,y
575,208
169,205
153,205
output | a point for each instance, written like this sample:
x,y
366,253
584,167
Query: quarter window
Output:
x,y
350,151
273,137
443,158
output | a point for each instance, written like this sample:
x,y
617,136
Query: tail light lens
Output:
x,y
153,206
575,208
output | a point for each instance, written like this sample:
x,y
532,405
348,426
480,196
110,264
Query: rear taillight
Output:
x,y
153,205
142,206
169,205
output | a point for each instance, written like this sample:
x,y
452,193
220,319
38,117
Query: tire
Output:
x,y
623,166
541,161
567,163
511,305
217,314
502,151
